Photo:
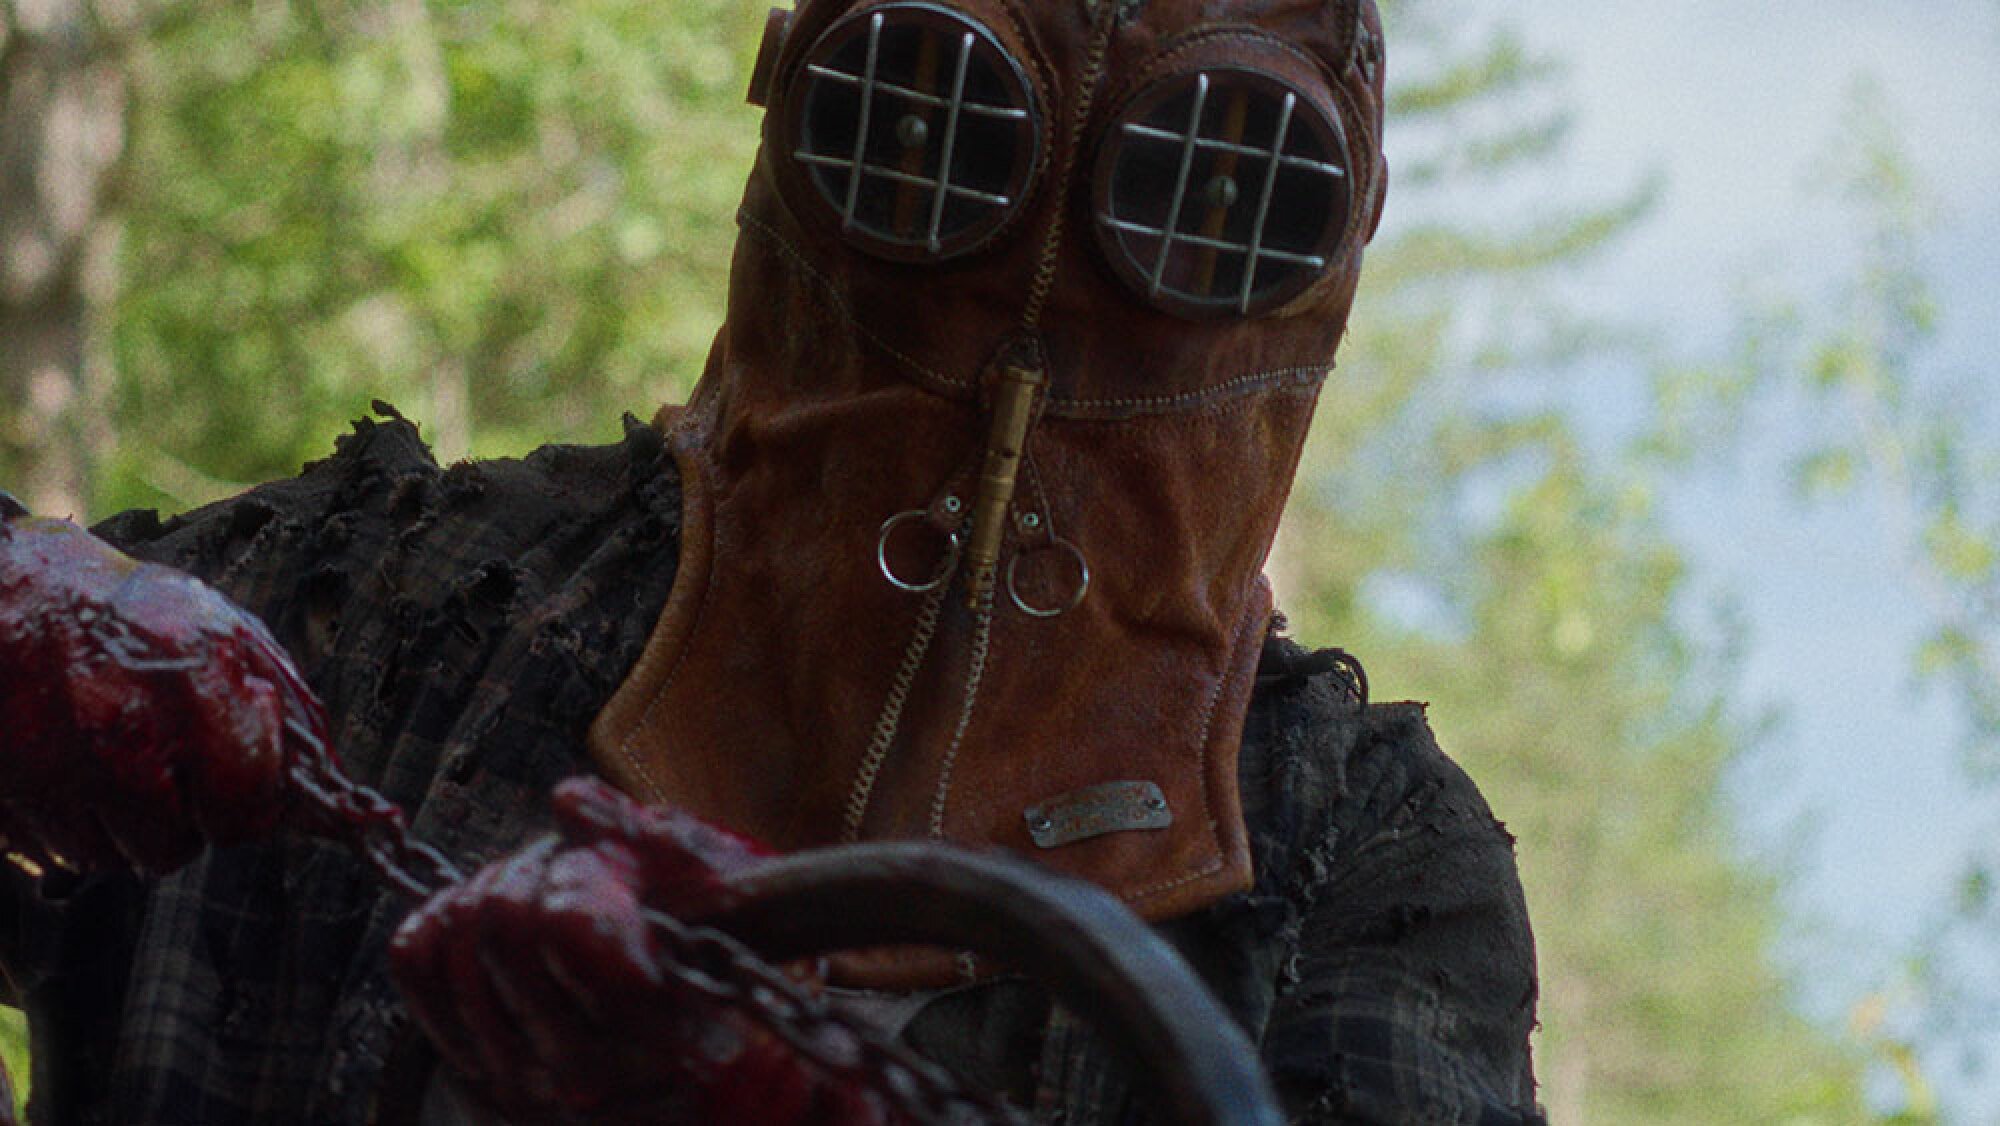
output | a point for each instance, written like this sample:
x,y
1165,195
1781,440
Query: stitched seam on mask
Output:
x,y
627,745
982,642
1221,408
1061,408
1044,88
1216,410
1362,192
1207,797
1239,387
889,721
1049,257
831,296
1213,866
1200,37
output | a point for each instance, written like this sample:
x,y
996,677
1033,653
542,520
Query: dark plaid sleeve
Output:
x,y
463,625
1409,991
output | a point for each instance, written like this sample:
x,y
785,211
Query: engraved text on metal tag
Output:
x,y
1115,807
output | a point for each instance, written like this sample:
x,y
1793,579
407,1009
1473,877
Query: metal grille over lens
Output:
x,y
1222,192
917,128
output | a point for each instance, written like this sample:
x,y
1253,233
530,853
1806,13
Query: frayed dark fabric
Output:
x,y
463,627
466,625
1285,665
1383,960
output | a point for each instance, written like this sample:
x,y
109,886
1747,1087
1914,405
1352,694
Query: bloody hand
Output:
x,y
141,713
539,981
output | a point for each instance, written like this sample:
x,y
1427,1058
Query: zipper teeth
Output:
x,y
982,639
890,720
1093,74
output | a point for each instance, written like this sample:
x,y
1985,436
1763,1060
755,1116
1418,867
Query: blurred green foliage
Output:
x,y
14,1053
511,219
1885,421
1450,527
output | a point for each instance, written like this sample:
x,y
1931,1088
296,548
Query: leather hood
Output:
x,y
826,668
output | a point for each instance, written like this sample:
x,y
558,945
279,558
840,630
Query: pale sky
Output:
x,y
1739,104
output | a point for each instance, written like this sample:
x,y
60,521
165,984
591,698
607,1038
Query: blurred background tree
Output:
x,y
62,121
513,221
1877,416
1450,527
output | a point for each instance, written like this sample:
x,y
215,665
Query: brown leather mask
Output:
x,y
1030,310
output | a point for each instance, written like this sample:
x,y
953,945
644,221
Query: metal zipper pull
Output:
x,y
1013,409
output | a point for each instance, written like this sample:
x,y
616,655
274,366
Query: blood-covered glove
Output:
x,y
542,984
141,713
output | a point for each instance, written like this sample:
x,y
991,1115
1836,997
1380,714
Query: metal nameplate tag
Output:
x,y
1115,807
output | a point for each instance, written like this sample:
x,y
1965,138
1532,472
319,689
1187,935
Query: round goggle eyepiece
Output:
x,y
917,130
1222,192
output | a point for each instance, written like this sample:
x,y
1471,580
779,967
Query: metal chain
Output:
x,y
366,822
703,960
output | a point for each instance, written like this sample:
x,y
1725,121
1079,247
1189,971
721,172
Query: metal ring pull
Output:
x,y
1075,599
944,570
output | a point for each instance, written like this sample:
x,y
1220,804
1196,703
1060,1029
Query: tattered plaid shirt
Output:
x,y
465,625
